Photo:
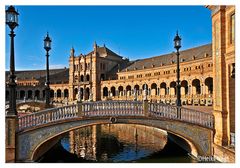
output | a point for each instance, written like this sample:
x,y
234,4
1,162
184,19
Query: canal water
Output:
x,y
116,143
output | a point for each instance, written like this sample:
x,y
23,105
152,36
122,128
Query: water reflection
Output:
x,y
114,142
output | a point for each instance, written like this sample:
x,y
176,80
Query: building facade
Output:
x,y
104,75
223,51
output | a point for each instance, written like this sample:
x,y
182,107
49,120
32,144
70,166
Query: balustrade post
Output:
x,y
90,107
80,111
179,112
145,108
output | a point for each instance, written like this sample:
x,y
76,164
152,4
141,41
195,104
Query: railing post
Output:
x,y
179,112
80,111
145,108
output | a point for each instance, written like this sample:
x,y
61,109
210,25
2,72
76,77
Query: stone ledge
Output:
x,y
224,154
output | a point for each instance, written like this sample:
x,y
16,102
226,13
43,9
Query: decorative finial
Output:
x,y
95,46
72,52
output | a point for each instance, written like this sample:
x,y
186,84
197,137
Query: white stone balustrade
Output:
x,y
116,108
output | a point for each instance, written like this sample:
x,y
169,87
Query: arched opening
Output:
x,y
179,138
51,93
102,77
163,89
37,94
136,87
128,89
22,94
43,94
88,77
81,92
75,93
113,91
120,90
81,78
184,87
7,95
105,92
65,93
145,87
30,94
59,93
154,89
209,84
87,94
173,88
196,86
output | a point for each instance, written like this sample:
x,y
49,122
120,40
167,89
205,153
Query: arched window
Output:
x,y
197,86
59,93
105,92
113,91
65,93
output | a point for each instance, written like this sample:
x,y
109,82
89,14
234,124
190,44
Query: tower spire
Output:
x,y
95,46
72,52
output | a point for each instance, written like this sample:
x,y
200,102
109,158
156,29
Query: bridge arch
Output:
x,y
40,149
30,148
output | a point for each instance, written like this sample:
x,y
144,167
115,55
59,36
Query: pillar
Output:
x,y
10,141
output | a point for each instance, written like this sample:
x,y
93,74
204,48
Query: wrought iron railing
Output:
x,y
115,109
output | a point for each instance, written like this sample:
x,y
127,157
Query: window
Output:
x,y
131,77
232,29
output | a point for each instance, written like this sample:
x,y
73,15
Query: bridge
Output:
x,y
35,131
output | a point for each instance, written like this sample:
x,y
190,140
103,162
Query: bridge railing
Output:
x,y
117,108
86,109
182,114
112,108
47,116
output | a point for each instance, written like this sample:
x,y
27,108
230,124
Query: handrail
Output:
x,y
115,109
181,113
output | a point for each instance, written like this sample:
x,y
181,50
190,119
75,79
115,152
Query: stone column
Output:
x,y
10,141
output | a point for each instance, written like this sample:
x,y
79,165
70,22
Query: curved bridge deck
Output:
x,y
39,128
116,109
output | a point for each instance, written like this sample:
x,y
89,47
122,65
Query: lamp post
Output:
x,y
47,47
177,46
12,22
11,116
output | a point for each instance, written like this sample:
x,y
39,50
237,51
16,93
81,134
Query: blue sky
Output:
x,y
135,32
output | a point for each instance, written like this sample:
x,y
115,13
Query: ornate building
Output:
x,y
104,75
223,51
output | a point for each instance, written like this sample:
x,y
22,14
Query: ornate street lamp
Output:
x,y
47,47
177,46
12,22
